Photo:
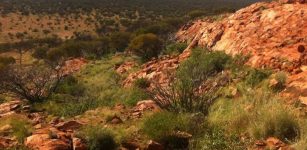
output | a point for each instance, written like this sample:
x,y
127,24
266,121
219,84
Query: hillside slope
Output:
x,y
270,32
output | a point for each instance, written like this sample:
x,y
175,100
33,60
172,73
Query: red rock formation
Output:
x,y
270,32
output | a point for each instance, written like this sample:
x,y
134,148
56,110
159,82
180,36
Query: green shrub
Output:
x,y
214,138
281,78
142,83
146,46
98,138
7,60
65,105
40,53
277,121
135,95
120,41
175,48
70,85
55,55
21,129
181,96
163,124
255,76
257,112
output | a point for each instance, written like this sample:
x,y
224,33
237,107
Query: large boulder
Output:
x,y
49,139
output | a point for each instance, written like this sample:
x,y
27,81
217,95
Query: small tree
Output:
x,y
33,83
195,84
146,46
40,53
120,41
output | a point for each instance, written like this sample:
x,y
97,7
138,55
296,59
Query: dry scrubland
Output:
x,y
16,27
150,80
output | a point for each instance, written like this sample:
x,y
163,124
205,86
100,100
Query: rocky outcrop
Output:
x,y
9,108
49,139
125,67
142,106
271,143
271,33
73,65
56,137
157,71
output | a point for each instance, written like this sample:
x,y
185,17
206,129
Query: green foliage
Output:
x,y
21,129
135,95
281,78
66,105
146,46
40,53
191,74
94,86
213,138
142,83
98,138
276,123
120,41
70,85
90,49
175,48
55,55
258,113
7,60
255,76
161,125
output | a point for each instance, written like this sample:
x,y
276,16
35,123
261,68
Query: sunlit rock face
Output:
x,y
271,33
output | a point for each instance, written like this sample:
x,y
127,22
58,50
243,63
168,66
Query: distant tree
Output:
x,y
120,41
55,55
40,53
146,46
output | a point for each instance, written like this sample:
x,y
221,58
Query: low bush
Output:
x,y
281,78
70,85
142,83
275,121
7,60
175,48
257,112
214,138
21,129
146,46
40,53
161,125
55,55
135,95
255,76
120,41
98,138
66,105
201,69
